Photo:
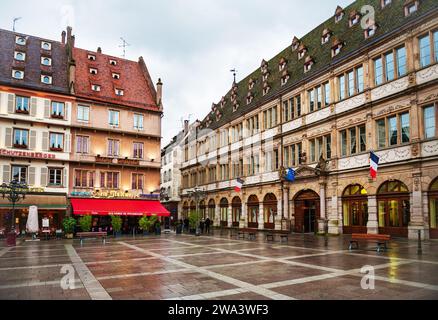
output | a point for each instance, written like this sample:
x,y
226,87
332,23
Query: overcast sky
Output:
x,y
190,44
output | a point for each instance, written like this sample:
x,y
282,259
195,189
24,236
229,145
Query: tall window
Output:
x,y
425,51
293,155
19,173
57,109
252,126
311,98
270,118
56,141
390,66
401,61
393,130
351,83
430,121
22,104
138,121
353,141
113,148
82,143
114,118
320,147
109,180
84,179
83,113
138,150
55,176
137,181
326,93
378,71
21,138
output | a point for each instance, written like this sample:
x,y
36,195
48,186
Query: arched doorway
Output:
x,y
211,209
307,211
433,209
236,205
185,213
224,212
355,209
394,208
269,210
202,209
253,212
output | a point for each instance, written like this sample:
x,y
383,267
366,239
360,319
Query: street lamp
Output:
x,y
198,194
14,192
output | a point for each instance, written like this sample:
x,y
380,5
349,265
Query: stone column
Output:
x,y
277,218
217,216
417,215
373,221
321,220
333,216
243,223
230,216
261,216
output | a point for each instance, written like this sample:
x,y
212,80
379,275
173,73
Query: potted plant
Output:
x,y
116,222
146,224
179,227
68,225
193,221
157,228
85,223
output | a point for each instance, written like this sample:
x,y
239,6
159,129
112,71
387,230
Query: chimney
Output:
x,y
63,35
99,50
73,41
159,92
186,126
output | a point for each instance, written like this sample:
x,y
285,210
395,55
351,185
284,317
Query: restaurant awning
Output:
x,y
119,207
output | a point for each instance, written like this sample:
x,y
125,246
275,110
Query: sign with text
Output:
x,y
27,154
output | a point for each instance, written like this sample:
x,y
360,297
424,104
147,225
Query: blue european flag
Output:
x,y
290,175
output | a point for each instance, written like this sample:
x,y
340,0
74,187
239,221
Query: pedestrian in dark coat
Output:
x,y
207,225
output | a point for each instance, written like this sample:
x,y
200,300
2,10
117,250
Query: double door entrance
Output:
x,y
307,212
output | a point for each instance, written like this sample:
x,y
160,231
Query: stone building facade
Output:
x,y
364,80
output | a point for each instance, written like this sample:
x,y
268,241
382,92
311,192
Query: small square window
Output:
x,y
17,74
325,38
119,92
113,62
301,54
411,8
45,61
386,3
308,66
19,56
116,76
339,17
91,57
371,31
20,40
93,71
46,46
95,87
46,79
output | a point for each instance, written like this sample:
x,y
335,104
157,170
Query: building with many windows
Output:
x,y
364,80
76,126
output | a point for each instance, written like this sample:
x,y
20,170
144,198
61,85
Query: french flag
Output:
x,y
239,185
374,164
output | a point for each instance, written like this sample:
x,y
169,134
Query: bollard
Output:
x,y
419,250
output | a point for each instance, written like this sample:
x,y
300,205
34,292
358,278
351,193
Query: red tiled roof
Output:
x,y
135,81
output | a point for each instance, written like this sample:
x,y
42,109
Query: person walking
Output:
x,y
201,226
207,225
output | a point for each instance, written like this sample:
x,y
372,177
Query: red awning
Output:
x,y
119,207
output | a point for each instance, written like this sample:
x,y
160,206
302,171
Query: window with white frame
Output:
x,y
55,176
116,76
83,113
20,40
19,174
138,150
19,56
119,92
411,7
91,57
95,87
113,62
46,45
56,141
18,74
138,121
93,71
58,110
46,79
45,61
114,117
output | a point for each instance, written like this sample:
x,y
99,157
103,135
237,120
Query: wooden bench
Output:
x,y
284,235
85,235
381,239
251,234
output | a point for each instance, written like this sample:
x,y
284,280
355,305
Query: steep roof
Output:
x,y
138,90
388,19
32,66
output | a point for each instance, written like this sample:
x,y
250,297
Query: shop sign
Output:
x,y
27,154
29,190
104,160
129,162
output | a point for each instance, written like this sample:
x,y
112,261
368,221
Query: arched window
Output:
x,y
433,209
236,205
224,212
393,208
202,209
355,209
270,210
211,209
253,211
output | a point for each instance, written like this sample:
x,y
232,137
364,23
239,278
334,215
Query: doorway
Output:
x,y
307,211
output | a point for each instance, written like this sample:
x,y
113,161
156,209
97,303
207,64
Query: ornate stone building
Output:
x,y
364,80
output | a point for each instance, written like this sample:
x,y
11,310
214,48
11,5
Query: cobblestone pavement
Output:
x,y
215,267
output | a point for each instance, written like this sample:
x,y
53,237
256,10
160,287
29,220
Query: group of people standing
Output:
x,y
204,225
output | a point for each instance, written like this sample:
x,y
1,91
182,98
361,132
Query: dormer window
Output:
x,y
284,77
46,46
295,44
91,57
218,116
325,36
266,88
308,64
119,92
264,67
249,98
354,18
45,61
46,79
113,62
339,14
213,107
411,6
20,40
19,56
235,106
223,101
336,48
251,84
93,71
282,65
370,31
116,76
302,52
18,74
265,77
95,87
386,3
